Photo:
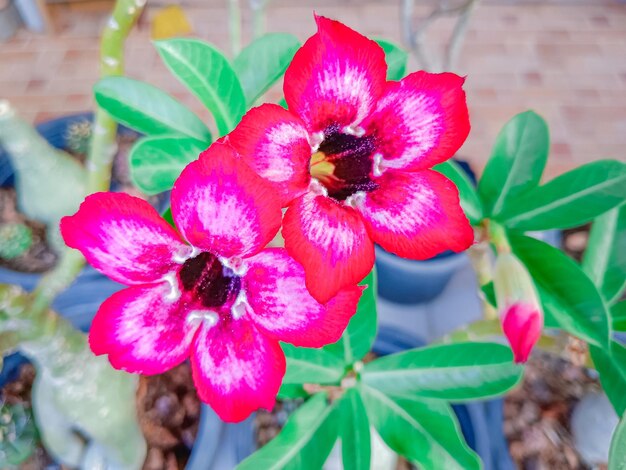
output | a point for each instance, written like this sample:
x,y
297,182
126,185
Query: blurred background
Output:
x,y
566,59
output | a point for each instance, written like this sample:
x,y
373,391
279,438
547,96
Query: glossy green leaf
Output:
x,y
425,432
470,201
156,162
516,163
489,293
167,215
359,336
605,256
309,365
396,59
455,372
572,199
355,432
209,76
618,316
304,443
263,62
566,292
147,109
617,453
611,366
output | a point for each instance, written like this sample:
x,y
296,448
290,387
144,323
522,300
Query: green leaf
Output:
x,y
209,76
572,199
516,163
359,336
617,453
303,444
396,59
355,432
263,62
455,372
470,201
618,316
425,432
308,365
566,292
611,366
147,109
489,293
156,162
605,256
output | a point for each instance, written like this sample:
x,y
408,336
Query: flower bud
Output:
x,y
518,305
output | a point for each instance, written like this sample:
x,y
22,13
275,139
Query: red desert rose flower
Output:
x,y
522,323
222,299
351,158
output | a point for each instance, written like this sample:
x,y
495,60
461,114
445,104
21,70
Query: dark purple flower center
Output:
x,y
209,281
343,163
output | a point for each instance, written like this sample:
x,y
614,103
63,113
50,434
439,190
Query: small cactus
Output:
x,y
18,435
78,136
15,240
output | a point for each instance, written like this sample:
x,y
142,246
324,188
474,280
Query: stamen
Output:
x,y
174,293
354,130
239,307
315,140
195,317
379,165
356,200
317,188
236,264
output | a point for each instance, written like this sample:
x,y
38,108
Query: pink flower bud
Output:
x,y
522,323
518,304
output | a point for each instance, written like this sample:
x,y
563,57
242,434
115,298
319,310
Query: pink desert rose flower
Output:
x,y
220,299
351,158
522,324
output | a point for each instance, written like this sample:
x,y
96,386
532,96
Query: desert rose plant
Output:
x,y
261,272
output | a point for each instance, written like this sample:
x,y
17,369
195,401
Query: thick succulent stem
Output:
x,y
101,152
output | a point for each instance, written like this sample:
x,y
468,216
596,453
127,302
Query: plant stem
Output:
x,y
101,152
498,237
480,257
234,15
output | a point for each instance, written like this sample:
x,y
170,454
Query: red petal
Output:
x,y
141,331
123,237
274,143
420,121
220,205
284,309
330,241
236,368
522,324
416,215
335,77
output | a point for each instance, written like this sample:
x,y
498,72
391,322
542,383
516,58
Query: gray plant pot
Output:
x,y
10,19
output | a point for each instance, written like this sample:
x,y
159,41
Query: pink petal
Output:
x,y
522,324
284,309
123,237
330,241
141,331
236,368
416,215
274,143
420,121
335,77
220,205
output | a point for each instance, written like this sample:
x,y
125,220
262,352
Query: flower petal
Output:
x,y
141,331
335,77
522,324
416,215
283,308
236,368
123,237
220,205
420,121
274,143
330,241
